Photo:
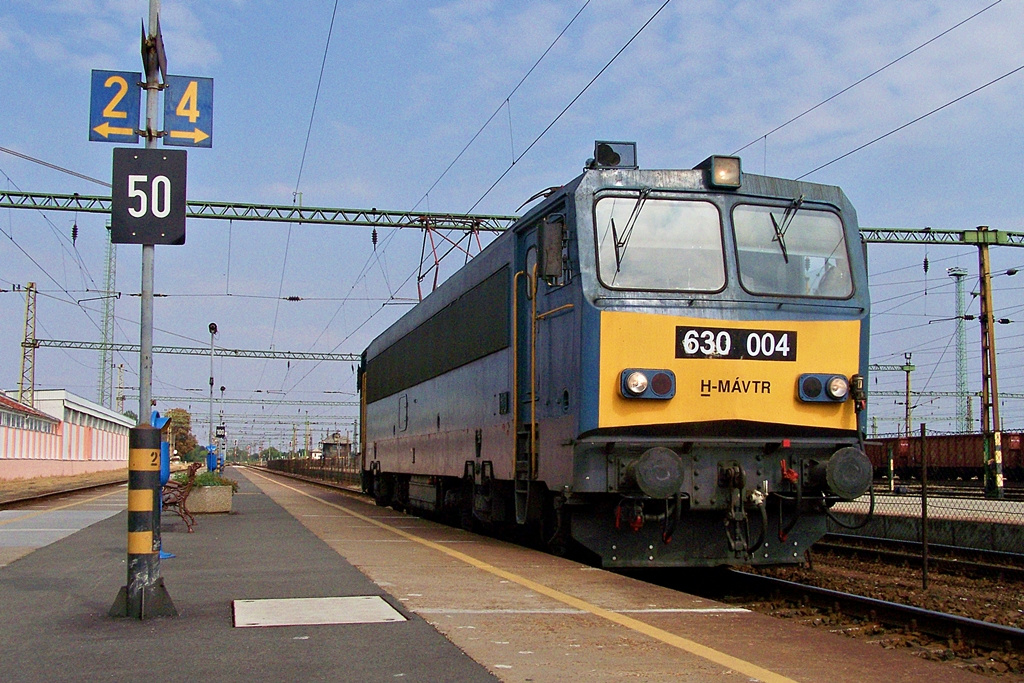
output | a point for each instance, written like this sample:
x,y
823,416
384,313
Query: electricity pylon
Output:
x,y
27,385
106,379
963,401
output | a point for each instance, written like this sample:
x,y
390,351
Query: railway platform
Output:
x,y
425,602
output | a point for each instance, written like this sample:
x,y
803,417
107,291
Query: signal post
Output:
x,y
148,207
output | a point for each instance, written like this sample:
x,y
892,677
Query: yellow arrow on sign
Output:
x,y
106,130
195,135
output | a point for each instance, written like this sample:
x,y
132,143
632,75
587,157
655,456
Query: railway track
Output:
x,y
22,499
1011,492
936,624
945,558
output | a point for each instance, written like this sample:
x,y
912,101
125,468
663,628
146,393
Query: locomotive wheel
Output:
x,y
466,519
383,486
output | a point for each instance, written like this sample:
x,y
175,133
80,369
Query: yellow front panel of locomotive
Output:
x,y
724,388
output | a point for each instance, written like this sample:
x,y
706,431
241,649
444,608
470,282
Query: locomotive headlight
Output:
x,y
723,172
636,383
646,383
838,387
823,388
811,387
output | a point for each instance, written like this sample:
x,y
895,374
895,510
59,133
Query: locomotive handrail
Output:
x,y
533,375
547,314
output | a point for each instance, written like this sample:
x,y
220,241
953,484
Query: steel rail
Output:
x,y
938,624
949,565
43,495
950,557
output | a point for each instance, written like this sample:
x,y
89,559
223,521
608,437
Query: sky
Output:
x,y
370,109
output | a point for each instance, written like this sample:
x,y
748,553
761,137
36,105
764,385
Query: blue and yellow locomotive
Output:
x,y
664,367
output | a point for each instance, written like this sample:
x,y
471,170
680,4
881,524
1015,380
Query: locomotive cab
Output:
x,y
725,343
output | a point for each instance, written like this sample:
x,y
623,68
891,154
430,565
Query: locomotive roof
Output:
x,y
590,181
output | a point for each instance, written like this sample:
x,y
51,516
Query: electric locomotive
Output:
x,y
664,367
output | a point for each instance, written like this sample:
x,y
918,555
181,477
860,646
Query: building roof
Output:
x,y
48,401
9,404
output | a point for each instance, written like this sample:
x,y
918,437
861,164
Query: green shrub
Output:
x,y
208,479
214,479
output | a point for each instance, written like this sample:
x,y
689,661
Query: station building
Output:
x,y
62,435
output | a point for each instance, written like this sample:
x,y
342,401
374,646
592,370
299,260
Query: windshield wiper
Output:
x,y
627,232
615,244
780,228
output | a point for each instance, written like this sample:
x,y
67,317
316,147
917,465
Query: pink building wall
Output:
x,y
65,435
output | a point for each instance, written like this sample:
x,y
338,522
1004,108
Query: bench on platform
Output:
x,y
175,496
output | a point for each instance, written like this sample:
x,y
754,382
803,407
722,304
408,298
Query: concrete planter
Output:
x,y
204,499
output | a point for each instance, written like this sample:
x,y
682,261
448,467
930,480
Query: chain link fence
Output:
x,y
937,494
958,517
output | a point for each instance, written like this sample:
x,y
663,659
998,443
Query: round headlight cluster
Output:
x,y
647,383
823,388
636,383
838,387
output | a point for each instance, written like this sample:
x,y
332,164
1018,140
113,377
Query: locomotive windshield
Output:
x,y
792,251
659,244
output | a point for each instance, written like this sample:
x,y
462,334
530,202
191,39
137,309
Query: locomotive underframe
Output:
x,y
737,501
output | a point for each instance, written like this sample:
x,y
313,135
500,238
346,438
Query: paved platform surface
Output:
x,y
446,605
29,527
54,602
529,616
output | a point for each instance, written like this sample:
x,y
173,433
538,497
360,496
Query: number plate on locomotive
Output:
x,y
715,342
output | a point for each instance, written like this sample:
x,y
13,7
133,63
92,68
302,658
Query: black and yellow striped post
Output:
x,y
144,595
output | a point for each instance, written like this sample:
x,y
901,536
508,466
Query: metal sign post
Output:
x,y
148,207
145,197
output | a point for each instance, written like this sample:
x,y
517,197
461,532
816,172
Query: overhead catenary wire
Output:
x,y
569,106
503,104
865,78
61,237
376,257
55,167
298,179
912,122
374,263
